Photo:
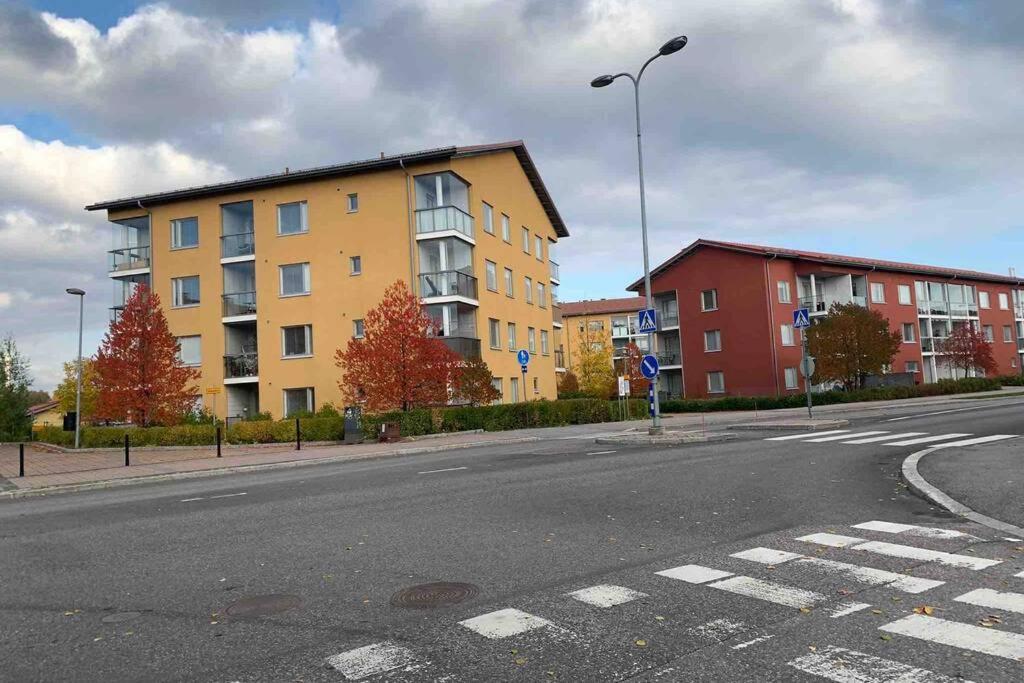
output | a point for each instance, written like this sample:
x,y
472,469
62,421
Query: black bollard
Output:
x,y
127,461
218,441
298,436
21,460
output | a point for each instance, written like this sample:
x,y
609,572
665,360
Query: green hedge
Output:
x,y
1012,380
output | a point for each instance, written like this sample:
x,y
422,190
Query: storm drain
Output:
x,y
437,594
262,605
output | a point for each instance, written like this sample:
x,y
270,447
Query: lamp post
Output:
x,y
80,293
672,46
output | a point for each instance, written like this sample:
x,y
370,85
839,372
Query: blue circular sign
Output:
x,y
523,357
649,366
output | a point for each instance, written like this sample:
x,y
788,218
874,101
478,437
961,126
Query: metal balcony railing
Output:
x,y
467,347
668,318
129,258
448,283
442,218
115,313
554,270
823,304
668,359
239,303
237,244
241,365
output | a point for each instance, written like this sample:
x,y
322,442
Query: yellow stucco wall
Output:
x,y
572,335
52,418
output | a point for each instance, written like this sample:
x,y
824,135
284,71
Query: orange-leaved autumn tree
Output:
x,y
850,343
138,374
398,363
631,370
966,348
475,383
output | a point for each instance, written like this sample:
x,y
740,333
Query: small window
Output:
x,y
185,291
509,285
792,380
294,279
488,212
531,340
492,275
1007,333
912,366
903,294
506,228
513,390
496,385
538,244
494,333
536,385
358,329
542,295
712,340
787,335
709,300
184,233
355,265
716,382
909,333
297,341
189,352
353,203
512,337
784,295
988,332
1004,301
528,286
983,300
526,240
544,343
298,401
292,219
877,292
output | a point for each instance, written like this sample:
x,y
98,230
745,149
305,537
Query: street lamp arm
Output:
x,y
644,68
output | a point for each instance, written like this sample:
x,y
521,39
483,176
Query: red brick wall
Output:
x,y
1003,352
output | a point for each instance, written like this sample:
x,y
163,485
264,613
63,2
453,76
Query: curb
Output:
x,y
663,439
245,469
796,426
922,488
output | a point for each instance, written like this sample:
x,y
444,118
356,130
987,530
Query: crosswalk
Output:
x,y
887,438
937,566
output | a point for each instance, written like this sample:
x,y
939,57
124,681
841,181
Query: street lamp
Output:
x,y
80,293
674,45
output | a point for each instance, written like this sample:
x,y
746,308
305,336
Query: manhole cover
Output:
x,y
120,616
262,605
437,594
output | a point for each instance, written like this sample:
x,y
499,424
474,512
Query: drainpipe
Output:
x,y
771,320
412,227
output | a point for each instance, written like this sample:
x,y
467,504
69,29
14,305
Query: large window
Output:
x,y
792,381
713,340
542,295
709,300
185,291
716,382
512,337
488,212
294,279
528,286
491,268
787,335
509,285
189,352
983,300
877,292
297,341
441,189
298,401
903,294
784,294
1004,301
292,218
184,233
494,333
988,332
909,333
531,340
544,342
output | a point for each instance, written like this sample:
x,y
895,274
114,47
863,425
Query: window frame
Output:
x,y
783,328
357,325
871,292
782,286
913,333
1004,301
490,271
714,295
175,287
917,366
545,343
510,283
538,247
989,333
355,265
352,202
721,375
307,280
900,288
506,228
542,293
512,335
718,336
303,218
199,344
794,372
174,226
528,286
526,239
1008,338
487,214
308,339
513,389
983,300
531,340
310,399
494,333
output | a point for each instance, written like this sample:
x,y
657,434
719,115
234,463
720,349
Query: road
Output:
x,y
698,560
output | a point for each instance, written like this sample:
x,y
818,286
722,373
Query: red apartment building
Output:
x,y
735,311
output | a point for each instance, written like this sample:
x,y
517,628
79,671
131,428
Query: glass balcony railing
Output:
x,y
241,365
442,218
448,283
238,244
129,258
467,347
967,310
554,270
239,303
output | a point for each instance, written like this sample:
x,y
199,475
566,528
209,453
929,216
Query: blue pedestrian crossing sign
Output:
x,y
649,366
648,320
801,318
523,357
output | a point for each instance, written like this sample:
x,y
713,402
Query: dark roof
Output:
x,y
351,168
830,259
41,408
600,306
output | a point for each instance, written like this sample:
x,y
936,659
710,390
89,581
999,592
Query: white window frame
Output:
x,y
791,373
907,300
352,202
199,350
531,340
542,295
506,228
718,338
873,291
545,343
983,300
785,293
510,330
177,290
513,390
494,333
1004,301
913,333
498,385
988,332
912,364
309,399
510,283
308,330
358,328
491,272
355,265
721,375
528,286
488,216
526,240
538,245
303,218
786,330
714,296
1008,334
176,233
306,284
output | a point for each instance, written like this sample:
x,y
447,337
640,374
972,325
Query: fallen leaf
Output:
x,y
986,624
876,611
885,636
641,643
551,674
805,610
520,661
659,618
812,648
924,609
514,652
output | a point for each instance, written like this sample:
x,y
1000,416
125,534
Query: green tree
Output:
x,y
65,392
37,396
15,423
851,343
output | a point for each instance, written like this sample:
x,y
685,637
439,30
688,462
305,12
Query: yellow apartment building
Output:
x,y
263,279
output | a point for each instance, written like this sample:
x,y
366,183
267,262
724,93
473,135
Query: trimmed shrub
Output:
x,y
1011,380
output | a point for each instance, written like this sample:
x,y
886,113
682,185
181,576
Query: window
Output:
x,y
185,291
987,331
595,326
353,203
184,233
983,300
784,296
292,219
188,351
528,286
492,275
294,279
538,247
1004,302
709,300
544,343
488,212
554,294
787,335
792,380
298,401
1007,333
509,291
909,333
912,366
536,385
526,240
712,340
531,340
716,382
513,390
903,294
496,384
877,292
512,337
297,341
358,329
355,265
494,330
542,295
506,229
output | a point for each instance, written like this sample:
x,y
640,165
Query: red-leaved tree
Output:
x,y
631,370
966,348
398,364
138,374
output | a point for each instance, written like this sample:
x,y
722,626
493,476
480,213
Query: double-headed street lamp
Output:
x,y
80,293
674,45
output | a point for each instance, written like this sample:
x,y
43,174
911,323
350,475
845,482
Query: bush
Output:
x,y
1011,380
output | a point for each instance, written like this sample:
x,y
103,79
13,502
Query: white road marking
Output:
x,y
807,435
940,412
849,666
371,660
755,641
925,555
831,540
844,608
504,623
1012,540
843,436
769,592
964,636
868,575
1019,575
606,595
977,441
888,436
986,597
719,629
228,495
601,452
694,573
912,530
447,469
189,500
766,556
925,439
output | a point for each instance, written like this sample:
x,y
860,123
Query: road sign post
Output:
x,y
801,321
523,356
648,323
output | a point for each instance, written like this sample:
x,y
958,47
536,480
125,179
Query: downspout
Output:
x,y
771,320
412,228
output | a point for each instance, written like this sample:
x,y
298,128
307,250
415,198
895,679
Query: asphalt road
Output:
x,y
140,583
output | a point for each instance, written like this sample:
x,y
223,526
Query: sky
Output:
x,y
880,128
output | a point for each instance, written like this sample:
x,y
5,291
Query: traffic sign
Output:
x,y
649,366
648,320
523,357
807,366
801,318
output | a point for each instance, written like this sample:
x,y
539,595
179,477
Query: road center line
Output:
x,y
447,469
228,495
940,412
190,500
600,452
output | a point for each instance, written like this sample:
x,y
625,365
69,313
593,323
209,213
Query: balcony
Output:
x,y
129,258
443,218
241,365
668,319
237,244
1020,344
823,304
448,283
115,313
932,308
665,358
467,347
967,310
238,303
554,270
